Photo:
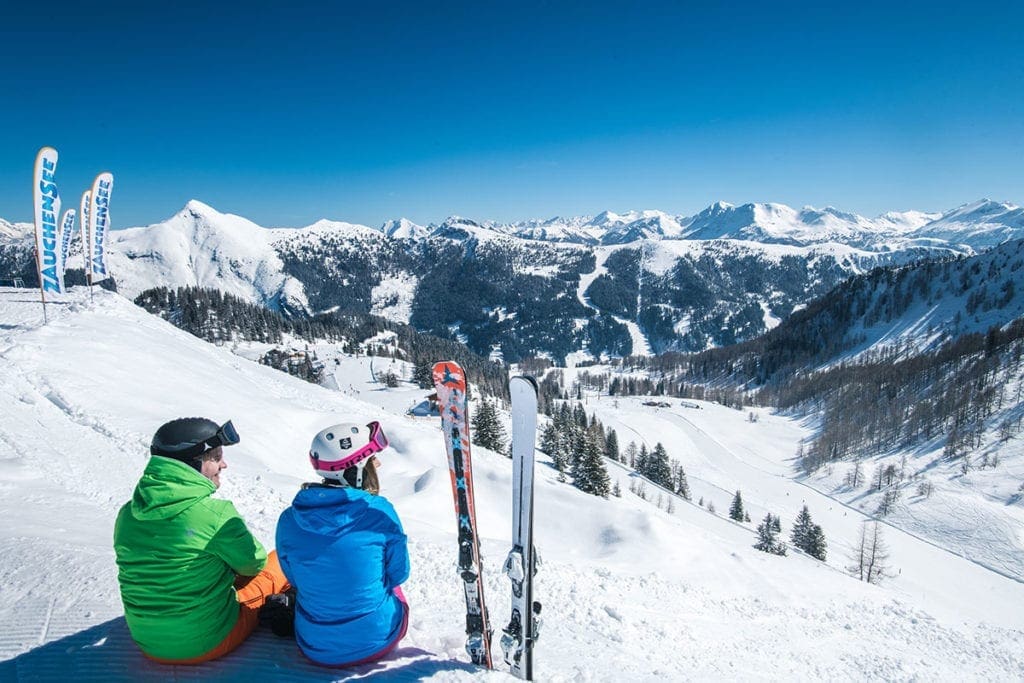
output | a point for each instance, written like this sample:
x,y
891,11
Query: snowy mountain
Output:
x,y
619,575
404,229
982,224
780,224
895,312
15,232
202,247
608,285
557,229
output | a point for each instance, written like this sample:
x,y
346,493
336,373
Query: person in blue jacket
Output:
x,y
342,548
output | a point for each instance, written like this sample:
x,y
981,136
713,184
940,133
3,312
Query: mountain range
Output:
x,y
604,285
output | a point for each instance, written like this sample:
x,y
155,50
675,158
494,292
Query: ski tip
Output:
x,y
448,373
525,378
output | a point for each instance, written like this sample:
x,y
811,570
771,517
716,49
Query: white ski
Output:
x,y
521,633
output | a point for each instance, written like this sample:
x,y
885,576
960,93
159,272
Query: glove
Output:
x,y
279,612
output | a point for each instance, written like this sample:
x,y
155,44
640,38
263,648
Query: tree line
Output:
x,y
220,317
879,404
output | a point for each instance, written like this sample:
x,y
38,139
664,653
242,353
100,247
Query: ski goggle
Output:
x,y
377,436
226,435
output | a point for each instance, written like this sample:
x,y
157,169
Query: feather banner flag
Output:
x,y
67,230
83,220
46,202
99,224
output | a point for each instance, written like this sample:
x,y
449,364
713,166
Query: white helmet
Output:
x,y
341,446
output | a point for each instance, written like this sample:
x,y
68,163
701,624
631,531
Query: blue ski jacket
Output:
x,y
344,551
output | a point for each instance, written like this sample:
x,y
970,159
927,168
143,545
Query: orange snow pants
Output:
x,y
252,592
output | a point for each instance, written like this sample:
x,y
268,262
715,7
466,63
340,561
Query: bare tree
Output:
x,y
855,475
965,465
870,555
889,499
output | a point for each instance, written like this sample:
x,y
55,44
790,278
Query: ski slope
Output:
x,y
640,345
631,592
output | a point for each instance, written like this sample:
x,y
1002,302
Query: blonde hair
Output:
x,y
371,482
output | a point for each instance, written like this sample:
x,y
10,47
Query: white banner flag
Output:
x,y
47,210
99,223
67,230
83,219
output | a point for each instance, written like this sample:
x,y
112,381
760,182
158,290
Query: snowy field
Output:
x,y
631,592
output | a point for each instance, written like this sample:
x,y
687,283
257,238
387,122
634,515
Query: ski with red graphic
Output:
x,y
450,382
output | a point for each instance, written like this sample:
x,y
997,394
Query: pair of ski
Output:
x,y
521,633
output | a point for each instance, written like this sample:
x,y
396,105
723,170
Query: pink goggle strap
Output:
x,y
378,442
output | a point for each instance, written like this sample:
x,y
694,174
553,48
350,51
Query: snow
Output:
x,y
393,297
631,592
770,321
403,228
201,247
981,224
639,340
15,232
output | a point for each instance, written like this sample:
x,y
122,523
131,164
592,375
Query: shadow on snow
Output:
x,y
106,652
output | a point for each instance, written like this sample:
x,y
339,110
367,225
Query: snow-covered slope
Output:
x,y
15,232
631,592
404,229
576,230
779,224
202,247
981,224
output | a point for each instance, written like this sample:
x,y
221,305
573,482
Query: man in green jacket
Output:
x,y
192,576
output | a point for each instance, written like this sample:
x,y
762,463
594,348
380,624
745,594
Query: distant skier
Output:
x,y
192,576
342,547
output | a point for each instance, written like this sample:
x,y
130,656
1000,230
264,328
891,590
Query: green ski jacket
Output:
x,y
178,553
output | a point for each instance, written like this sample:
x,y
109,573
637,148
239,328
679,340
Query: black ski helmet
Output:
x,y
187,438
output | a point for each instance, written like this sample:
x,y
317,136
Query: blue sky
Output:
x,y
511,111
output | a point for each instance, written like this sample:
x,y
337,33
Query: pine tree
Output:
x,y
658,469
767,536
802,529
641,460
611,446
487,429
567,440
580,473
421,374
682,485
590,474
580,416
736,509
816,545
549,439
